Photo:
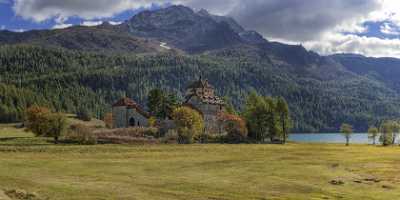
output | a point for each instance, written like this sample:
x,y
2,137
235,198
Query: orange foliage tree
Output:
x,y
42,122
235,127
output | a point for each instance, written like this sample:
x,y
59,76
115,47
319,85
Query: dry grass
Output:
x,y
162,172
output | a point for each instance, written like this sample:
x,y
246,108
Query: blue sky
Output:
x,y
9,20
369,27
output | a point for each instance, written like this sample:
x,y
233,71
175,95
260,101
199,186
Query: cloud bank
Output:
x,y
323,26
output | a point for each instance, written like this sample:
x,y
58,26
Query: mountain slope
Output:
x,y
94,66
386,70
100,38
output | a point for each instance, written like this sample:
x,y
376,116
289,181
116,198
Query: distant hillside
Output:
x,y
94,66
386,70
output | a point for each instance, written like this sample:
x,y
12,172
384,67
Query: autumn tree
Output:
x,y
42,122
373,133
387,133
235,127
37,120
189,124
57,125
346,130
396,130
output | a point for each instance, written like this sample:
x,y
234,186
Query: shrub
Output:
x,y
108,120
84,115
82,134
137,135
185,136
171,136
152,132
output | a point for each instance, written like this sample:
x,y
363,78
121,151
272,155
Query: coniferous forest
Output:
x,y
66,80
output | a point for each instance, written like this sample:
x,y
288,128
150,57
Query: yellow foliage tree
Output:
x,y
189,124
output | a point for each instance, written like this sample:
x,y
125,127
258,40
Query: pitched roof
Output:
x,y
125,102
131,104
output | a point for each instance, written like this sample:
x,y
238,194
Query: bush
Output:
x,y
108,120
137,135
185,136
152,132
84,115
82,134
171,137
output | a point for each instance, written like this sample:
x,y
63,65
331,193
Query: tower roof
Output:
x,y
206,92
201,83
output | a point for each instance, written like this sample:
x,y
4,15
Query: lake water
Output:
x,y
356,138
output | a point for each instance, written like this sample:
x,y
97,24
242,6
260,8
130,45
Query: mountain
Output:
x,y
386,70
168,48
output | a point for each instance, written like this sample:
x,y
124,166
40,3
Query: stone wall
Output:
x,y
123,116
210,114
119,117
139,119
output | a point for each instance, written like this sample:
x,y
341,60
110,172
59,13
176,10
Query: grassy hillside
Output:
x,y
293,171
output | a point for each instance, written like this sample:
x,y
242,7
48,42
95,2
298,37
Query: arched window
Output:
x,y
132,122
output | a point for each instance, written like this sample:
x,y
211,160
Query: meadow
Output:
x,y
200,172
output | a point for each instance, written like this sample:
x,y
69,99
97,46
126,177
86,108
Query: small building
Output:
x,y
200,96
127,113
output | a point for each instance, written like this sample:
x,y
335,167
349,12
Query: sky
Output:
x,y
368,27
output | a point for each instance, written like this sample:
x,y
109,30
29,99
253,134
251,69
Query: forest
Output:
x,y
66,80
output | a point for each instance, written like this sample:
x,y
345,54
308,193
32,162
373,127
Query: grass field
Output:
x,y
203,172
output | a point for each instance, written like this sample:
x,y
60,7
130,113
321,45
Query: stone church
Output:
x,y
127,113
200,96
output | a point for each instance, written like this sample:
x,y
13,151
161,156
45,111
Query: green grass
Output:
x,y
214,172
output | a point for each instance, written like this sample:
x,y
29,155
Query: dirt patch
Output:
x,y
337,182
16,194
3,196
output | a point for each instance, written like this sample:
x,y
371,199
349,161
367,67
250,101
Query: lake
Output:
x,y
356,138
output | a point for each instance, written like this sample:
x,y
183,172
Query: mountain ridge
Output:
x,y
105,62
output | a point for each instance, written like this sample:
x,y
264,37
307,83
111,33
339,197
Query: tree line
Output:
x,y
65,80
387,133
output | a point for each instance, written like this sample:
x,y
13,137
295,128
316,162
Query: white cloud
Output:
x,y
369,46
20,30
114,22
2,27
389,29
91,23
41,10
62,26
318,24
